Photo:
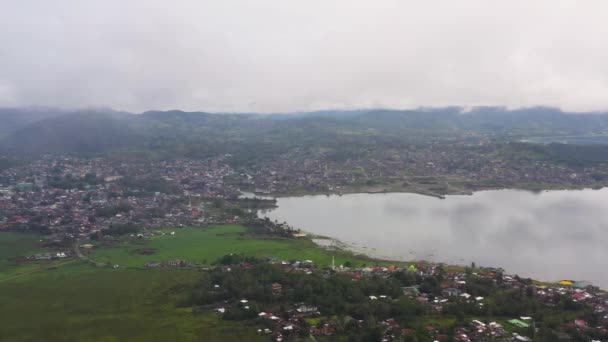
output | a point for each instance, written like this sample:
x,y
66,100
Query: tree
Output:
x,y
107,211
372,334
90,178
121,229
460,317
218,203
124,207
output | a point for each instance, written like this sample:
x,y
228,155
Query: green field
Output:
x,y
16,245
108,305
206,245
80,302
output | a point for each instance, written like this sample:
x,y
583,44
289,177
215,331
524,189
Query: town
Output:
x,y
443,166
304,171
72,201
67,197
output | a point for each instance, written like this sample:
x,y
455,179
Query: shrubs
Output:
x,y
121,229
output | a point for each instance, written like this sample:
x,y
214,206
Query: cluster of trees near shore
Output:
x,y
337,295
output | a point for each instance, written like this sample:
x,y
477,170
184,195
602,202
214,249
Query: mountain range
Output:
x,y
50,130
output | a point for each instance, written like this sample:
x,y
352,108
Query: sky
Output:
x,y
301,55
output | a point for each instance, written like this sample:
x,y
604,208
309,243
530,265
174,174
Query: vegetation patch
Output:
x,y
145,251
108,305
206,245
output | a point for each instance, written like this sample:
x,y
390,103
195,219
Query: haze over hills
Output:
x,y
345,170
72,132
12,119
43,130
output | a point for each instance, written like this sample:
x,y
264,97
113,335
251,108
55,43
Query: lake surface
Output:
x,y
549,235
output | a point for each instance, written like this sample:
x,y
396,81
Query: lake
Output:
x,y
550,235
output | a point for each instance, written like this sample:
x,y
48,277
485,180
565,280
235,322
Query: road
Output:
x,y
38,270
84,257
78,253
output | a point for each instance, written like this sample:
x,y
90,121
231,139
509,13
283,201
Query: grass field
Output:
x,y
108,305
79,302
206,245
16,244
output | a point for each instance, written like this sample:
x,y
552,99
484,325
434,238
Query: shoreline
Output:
x,y
370,253
343,247
424,192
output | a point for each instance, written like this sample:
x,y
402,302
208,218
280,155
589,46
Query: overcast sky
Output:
x,y
296,55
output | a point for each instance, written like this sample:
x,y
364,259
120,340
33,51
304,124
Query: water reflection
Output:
x,y
548,235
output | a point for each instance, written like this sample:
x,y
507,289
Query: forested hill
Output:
x,y
73,132
198,133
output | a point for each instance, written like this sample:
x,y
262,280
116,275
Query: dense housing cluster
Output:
x,y
437,168
68,196
289,300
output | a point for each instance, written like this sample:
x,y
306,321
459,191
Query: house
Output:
x,y
465,295
110,179
277,288
176,263
579,296
462,338
518,323
267,315
306,309
265,331
307,264
450,292
43,256
411,291
581,324
478,324
521,338
582,284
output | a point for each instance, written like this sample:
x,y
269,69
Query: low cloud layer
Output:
x,y
277,56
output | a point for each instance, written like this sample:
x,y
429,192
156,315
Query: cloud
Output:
x,y
240,55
